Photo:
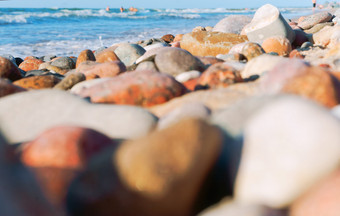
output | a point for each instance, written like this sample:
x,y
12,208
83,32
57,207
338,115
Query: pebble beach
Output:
x,y
238,118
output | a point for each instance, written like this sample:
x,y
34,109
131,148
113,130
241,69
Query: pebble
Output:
x,y
57,107
316,28
203,43
316,18
278,44
141,88
106,56
129,53
93,70
168,38
38,82
9,70
276,149
174,61
70,80
232,24
64,63
85,55
268,22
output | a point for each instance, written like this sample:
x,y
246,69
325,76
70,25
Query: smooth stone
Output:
x,y
85,55
294,76
324,36
278,44
275,149
100,49
168,38
147,65
58,154
39,73
174,61
300,38
232,24
64,63
9,70
9,57
48,58
93,70
20,193
313,19
106,56
57,107
155,45
209,60
321,199
203,43
268,22
260,65
69,81
316,28
219,75
160,174
7,88
296,54
38,82
186,76
149,55
306,45
129,53
79,87
188,110
142,88
251,50
235,57
30,64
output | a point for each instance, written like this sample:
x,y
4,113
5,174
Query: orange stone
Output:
x,y
169,38
296,54
191,84
278,44
9,70
178,38
38,82
107,56
30,64
85,55
93,70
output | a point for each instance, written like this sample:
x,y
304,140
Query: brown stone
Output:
x,y
69,81
37,82
85,55
322,199
30,64
251,50
58,154
107,56
178,37
9,70
160,174
296,54
7,88
94,70
278,44
203,43
143,88
169,38
209,60
313,19
219,76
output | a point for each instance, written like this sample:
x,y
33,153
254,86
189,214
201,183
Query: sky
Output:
x,y
154,3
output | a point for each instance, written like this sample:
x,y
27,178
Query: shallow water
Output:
x,y
62,31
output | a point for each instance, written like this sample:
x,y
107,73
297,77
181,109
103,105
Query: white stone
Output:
x,y
260,65
185,76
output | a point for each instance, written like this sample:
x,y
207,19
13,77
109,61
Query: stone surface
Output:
x,y
149,55
156,45
219,76
278,44
300,38
69,81
251,50
203,43
7,88
232,24
30,64
324,36
79,87
107,56
93,70
321,199
260,65
186,76
142,88
316,28
85,55
293,76
268,22
147,65
20,193
160,174
9,70
64,63
174,61
209,60
280,161
169,38
129,53
57,107
313,19
38,82
58,154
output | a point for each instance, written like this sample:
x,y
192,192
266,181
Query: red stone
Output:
x,y
143,88
38,82
219,75
58,154
169,38
7,88
30,64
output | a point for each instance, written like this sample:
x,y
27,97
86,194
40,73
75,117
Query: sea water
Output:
x,y
66,31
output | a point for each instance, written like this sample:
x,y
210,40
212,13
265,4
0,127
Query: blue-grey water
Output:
x,y
65,31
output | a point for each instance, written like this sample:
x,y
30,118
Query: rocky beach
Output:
x,y
240,118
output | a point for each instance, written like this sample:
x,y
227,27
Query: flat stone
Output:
x,y
9,70
33,112
280,161
313,19
129,53
268,22
142,88
316,28
203,43
38,82
174,61
232,24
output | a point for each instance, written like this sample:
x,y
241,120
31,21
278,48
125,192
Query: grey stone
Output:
x,y
48,58
313,19
25,115
64,63
289,145
129,53
147,65
232,24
